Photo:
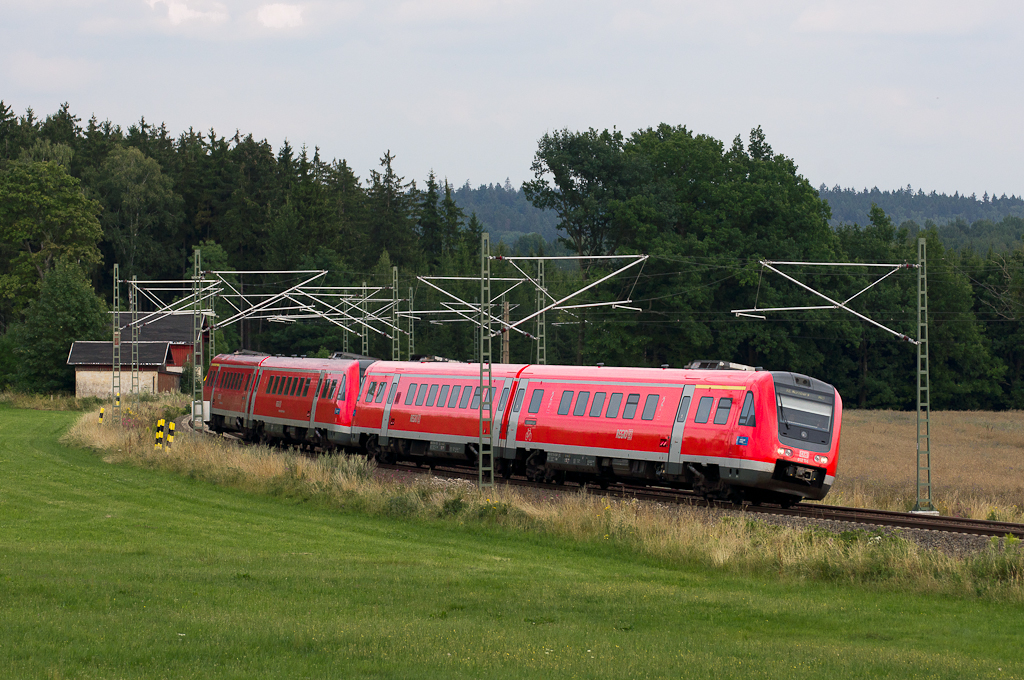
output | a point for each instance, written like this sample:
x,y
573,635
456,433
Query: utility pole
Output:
x,y
924,502
197,345
924,448
485,445
542,348
504,332
115,366
395,335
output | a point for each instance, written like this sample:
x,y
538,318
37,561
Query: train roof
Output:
x,y
267,361
445,368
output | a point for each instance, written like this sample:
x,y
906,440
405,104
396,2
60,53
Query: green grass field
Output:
x,y
115,571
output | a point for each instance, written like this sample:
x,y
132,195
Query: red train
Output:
x,y
732,434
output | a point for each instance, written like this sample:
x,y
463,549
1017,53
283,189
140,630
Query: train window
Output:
x,y
295,387
490,401
747,413
650,407
613,405
282,387
248,379
632,401
684,407
536,397
270,383
504,398
703,409
431,395
443,396
581,404
454,400
391,394
466,394
518,403
305,388
565,403
422,394
722,412
277,380
380,392
369,392
341,390
327,386
330,394
476,400
411,394
595,408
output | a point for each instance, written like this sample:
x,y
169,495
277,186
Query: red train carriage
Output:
x,y
429,411
726,434
292,400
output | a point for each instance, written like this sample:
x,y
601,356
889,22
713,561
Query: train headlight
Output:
x,y
821,460
788,453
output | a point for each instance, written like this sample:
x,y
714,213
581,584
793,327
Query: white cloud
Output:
x,y
279,15
179,12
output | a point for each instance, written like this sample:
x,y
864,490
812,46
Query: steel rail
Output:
x,y
814,511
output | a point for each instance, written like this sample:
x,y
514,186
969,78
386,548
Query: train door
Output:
x,y
316,398
507,433
251,397
388,401
674,465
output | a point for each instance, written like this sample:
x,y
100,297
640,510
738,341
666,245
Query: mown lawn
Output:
x,y
114,571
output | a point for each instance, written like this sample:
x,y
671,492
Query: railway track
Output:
x,y
886,518
902,520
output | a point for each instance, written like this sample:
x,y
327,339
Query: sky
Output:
x,y
860,94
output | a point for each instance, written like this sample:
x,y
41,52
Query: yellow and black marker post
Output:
x,y
102,410
159,444
170,434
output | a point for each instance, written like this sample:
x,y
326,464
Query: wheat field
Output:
x,y
977,462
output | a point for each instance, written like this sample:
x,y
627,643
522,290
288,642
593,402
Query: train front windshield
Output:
x,y
804,415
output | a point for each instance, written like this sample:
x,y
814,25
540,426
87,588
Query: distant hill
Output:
x,y
984,223
850,206
505,212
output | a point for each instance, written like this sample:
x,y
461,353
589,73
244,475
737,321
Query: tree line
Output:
x,y
76,197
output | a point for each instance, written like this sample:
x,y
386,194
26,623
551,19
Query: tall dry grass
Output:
x,y
672,534
977,463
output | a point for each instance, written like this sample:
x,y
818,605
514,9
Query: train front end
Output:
x,y
806,444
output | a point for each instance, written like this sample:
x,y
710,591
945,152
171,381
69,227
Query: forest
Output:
x,y
77,197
